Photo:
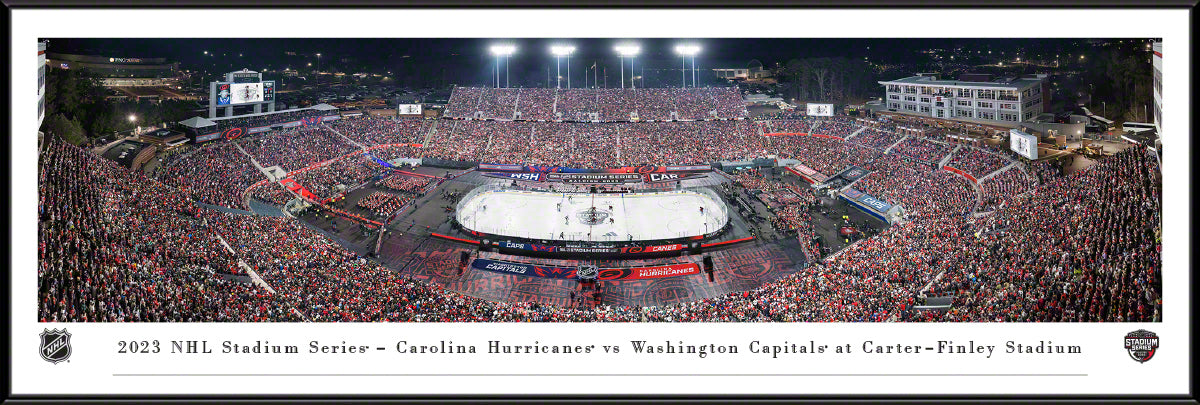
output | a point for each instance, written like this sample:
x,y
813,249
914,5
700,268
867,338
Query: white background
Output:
x,y
1107,367
238,91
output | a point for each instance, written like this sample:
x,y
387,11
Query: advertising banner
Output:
x,y
695,168
652,249
594,178
567,273
291,124
661,177
208,137
854,173
635,273
258,129
517,176
866,202
331,118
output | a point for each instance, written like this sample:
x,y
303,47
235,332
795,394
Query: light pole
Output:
x,y
631,51
684,51
318,68
502,50
559,51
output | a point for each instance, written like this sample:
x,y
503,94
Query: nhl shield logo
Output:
x,y
56,345
1141,345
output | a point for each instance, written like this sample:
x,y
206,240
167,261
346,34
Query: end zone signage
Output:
x,y
661,177
594,178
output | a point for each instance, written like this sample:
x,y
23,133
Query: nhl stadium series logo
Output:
x,y
1141,345
56,345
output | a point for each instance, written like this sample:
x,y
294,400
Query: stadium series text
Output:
x,y
633,347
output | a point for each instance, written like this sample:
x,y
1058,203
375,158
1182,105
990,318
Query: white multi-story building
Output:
x,y
1157,48
41,82
999,101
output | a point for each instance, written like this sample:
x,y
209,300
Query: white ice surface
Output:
x,y
536,215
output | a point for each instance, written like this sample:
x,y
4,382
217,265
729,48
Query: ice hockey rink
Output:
x,y
559,216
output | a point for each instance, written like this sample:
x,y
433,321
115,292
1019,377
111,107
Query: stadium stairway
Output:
x,y
889,148
998,171
348,140
942,163
855,133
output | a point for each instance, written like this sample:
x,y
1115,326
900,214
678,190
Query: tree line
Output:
x,y
78,109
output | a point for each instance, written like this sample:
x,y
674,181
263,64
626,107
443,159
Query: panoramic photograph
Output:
x,y
522,180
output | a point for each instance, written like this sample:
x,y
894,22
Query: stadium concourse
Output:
x,y
206,237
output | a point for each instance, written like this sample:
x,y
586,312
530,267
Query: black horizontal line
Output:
x,y
591,375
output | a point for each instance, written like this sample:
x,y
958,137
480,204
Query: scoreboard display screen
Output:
x,y
242,93
268,90
409,109
1024,144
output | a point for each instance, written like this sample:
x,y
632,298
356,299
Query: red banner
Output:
x,y
633,273
965,174
651,249
670,270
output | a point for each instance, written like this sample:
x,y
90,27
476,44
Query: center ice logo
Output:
x,y
593,216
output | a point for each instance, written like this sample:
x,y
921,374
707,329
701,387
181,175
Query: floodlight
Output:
x,y
562,50
627,50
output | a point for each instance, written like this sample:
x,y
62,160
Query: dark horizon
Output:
x,y
468,61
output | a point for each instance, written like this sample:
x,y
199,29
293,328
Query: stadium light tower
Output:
x,y
627,50
684,51
559,51
505,51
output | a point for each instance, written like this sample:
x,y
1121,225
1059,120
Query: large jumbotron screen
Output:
x,y
242,93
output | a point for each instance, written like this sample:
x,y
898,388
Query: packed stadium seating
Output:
x,y
115,245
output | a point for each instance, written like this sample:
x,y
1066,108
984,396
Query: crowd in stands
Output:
x,y
272,193
924,190
536,104
1047,170
116,245
796,126
1084,248
825,155
348,172
214,174
838,126
405,183
270,119
1003,187
874,138
922,149
976,162
371,131
382,204
610,104
296,148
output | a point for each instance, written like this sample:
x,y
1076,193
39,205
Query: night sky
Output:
x,y
468,60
